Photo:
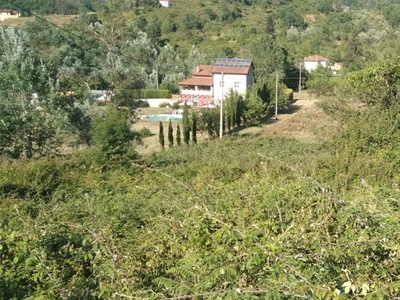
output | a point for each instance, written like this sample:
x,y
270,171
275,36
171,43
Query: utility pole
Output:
x,y
300,83
221,116
276,96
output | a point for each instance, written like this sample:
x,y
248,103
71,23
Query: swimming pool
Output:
x,y
165,117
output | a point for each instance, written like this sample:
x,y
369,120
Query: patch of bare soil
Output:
x,y
302,120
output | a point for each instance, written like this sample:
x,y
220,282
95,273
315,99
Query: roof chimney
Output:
x,y
198,69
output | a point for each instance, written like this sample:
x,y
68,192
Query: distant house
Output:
x,y
165,3
312,62
205,87
198,90
8,14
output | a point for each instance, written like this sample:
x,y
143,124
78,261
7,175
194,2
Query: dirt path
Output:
x,y
303,119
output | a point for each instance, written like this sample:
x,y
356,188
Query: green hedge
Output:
x,y
149,94
289,94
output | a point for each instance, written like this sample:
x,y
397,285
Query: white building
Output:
x,y
312,62
231,74
8,14
165,3
205,88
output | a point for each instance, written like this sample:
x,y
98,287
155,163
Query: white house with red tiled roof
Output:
x,y
237,74
8,13
313,61
165,3
205,86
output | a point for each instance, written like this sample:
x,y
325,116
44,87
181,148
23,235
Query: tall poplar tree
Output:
x,y
186,125
178,135
170,134
161,136
194,127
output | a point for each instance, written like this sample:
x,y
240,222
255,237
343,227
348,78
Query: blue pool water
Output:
x,y
164,117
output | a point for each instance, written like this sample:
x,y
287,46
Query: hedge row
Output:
x,y
152,94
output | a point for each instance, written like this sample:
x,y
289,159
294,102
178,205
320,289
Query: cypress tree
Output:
x,y
186,125
178,135
194,127
161,136
170,134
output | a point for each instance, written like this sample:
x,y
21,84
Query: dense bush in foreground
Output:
x,y
239,218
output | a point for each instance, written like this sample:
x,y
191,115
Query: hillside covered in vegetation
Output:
x,y
248,216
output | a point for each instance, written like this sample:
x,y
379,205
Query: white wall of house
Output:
x,y
7,15
235,82
165,3
312,65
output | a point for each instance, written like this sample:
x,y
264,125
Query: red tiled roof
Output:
x,y
315,58
203,73
203,70
8,11
205,81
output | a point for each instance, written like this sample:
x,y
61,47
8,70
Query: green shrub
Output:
x,y
176,105
164,104
367,150
145,132
289,94
173,88
111,134
142,103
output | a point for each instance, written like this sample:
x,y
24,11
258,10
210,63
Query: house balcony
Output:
x,y
195,90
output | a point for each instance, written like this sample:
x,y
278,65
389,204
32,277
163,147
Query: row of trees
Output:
x,y
237,110
189,128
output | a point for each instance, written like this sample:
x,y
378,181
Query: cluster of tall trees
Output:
x,y
35,111
189,129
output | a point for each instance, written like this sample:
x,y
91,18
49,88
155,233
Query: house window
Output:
x,y
236,84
